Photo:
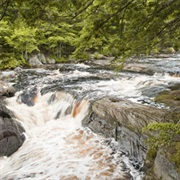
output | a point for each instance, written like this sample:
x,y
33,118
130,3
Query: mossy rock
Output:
x,y
170,50
173,115
170,98
173,155
175,87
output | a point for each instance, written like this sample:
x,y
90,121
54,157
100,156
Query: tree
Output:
x,y
120,28
22,38
130,27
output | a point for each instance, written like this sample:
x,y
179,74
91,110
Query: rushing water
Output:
x,y
51,104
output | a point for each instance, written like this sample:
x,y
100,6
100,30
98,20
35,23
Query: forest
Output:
x,y
74,29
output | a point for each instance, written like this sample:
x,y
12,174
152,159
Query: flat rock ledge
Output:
x,y
124,120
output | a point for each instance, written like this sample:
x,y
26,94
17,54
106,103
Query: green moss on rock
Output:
x,y
170,98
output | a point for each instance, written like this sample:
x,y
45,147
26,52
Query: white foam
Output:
x,y
58,148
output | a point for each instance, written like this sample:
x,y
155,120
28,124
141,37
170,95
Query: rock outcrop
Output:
x,y
163,168
11,131
141,68
123,120
39,59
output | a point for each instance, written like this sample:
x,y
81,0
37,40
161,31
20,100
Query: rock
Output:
x,y
34,61
11,132
141,68
6,90
163,169
39,59
123,120
170,98
170,50
51,61
152,91
42,58
28,96
18,69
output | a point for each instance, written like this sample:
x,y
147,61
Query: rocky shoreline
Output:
x,y
115,118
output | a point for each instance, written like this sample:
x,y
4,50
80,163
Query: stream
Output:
x,y
51,103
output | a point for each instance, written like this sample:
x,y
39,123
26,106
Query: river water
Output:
x,y
50,104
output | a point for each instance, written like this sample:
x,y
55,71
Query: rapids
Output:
x,y
50,104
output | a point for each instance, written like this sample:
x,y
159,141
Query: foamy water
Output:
x,y
57,147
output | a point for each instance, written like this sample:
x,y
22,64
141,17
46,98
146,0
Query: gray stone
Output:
x,y
51,61
11,132
152,91
42,58
123,120
34,61
141,68
6,89
163,169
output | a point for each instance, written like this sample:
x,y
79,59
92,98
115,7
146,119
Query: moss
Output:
x,y
175,87
173,115
97,55
149,163
151,154
170,50
170,98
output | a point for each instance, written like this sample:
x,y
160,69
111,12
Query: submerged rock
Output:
x,y
11,132
6,90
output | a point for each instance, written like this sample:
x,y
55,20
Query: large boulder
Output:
x,y
39,60
11,132
163,168
34,61
141,68
170,98
123,120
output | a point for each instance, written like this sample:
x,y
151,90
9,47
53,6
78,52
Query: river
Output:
x,y
50,104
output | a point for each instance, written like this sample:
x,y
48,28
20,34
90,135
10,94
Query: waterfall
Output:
x,y
56,145
50,105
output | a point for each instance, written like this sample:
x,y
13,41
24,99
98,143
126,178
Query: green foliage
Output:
x,y
166,135
174,155
163,133
22,38
8,61
73,28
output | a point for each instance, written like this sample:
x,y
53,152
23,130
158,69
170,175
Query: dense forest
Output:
x,y
65,29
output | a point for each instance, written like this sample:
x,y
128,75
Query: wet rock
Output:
x,y
141,68
152,91
163,169
28,96
11,132
123,120
170,98
6,90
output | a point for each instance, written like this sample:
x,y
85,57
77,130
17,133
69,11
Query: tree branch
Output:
x,y
6,4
